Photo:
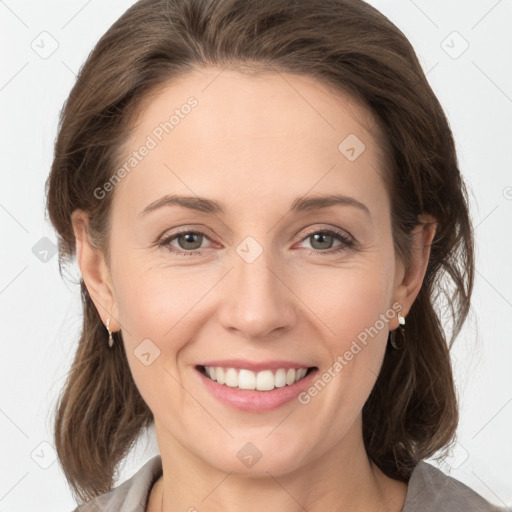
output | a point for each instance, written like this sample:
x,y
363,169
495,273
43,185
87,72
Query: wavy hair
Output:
x,y
348,45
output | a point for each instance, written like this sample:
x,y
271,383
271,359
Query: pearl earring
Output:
x,y
110,338
392,334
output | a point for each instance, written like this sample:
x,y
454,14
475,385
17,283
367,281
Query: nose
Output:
x,y
257,301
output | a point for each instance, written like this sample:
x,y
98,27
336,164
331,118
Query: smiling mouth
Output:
x,y
265,380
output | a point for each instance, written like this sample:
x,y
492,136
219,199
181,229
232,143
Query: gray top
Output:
x,y
429,490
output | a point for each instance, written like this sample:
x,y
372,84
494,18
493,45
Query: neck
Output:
x,y
343,479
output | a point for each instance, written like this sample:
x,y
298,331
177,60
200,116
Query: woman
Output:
x,y
265,203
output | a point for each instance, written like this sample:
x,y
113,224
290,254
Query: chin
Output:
x,y
258,458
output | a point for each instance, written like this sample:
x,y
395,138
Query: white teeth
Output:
x,y
232,378
221,375
265,380
246,379
280,378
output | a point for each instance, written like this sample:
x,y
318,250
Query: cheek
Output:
x,y
156,302
349,300
365,303
161,310
354,308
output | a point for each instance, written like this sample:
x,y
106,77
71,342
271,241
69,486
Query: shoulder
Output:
x,y
133,494
430,489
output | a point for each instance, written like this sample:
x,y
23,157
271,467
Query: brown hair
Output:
x,y
412,411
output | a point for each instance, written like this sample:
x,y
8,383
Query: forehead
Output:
x,y
214,130
236,104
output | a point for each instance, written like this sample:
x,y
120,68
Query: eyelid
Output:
x,y
323,229
170,233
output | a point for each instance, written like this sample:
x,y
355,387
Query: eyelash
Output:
x,y
347,242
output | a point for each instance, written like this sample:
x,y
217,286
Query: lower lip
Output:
x,y
256,401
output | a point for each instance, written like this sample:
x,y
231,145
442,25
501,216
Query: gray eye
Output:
x,y
190,241
321,241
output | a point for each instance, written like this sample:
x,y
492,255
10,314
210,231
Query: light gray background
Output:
x,y
41,313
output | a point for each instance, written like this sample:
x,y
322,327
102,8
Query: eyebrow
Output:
x,y
202,204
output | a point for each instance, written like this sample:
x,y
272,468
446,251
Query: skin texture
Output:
x,y
255,143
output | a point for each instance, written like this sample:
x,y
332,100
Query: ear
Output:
x,y
94,270
409,280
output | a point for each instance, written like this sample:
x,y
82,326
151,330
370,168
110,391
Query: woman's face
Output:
x,y
265,279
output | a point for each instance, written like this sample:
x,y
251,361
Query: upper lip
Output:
x,y
255,365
